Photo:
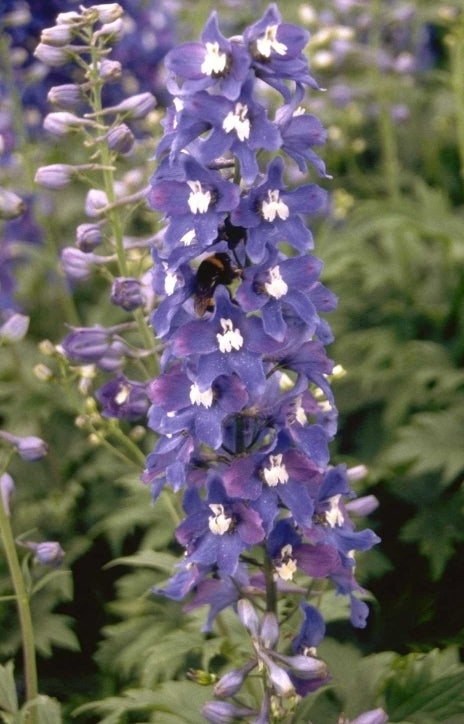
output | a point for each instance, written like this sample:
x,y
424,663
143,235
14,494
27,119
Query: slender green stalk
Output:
x,y
456,43
24,612
389,146
271,590
113,210
386,128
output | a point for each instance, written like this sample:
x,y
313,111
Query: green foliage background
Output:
x,y
393,249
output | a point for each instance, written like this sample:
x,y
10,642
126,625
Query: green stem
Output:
x,y
114,211
24,611
136,455
389,147
456,43
387,134
271,590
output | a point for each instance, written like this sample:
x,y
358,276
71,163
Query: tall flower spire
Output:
x,y
243,405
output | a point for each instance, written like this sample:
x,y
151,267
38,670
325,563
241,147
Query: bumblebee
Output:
x,y
215,269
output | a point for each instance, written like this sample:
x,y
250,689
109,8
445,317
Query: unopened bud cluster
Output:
x,y
87,36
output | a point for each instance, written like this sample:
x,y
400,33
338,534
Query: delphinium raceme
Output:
x,y
243,405
103,248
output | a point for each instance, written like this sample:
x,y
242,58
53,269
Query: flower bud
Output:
x,y
85,344
78,265
120,138
112,30
109,71
30,448
248,616
201,677
357,472
136,106
66,96
95,202
49,554
114,356
58,35
69,18
60,123
374,716
14,329
278,677
229,684
88,237
56,176
11,205
51,55
126,292
47,348
362,506
305,667
43,373
222,712
108,12
7,488
269,632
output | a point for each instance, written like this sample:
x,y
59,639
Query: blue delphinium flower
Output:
x,y
243,405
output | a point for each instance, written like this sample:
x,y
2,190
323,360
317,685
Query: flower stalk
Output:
x,y
24,612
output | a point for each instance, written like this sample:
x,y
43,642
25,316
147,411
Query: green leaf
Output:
x,y
437,528
356,683
8,696
175,702
432,441
48,710
50,577
53,630
167,657
426,688
180,702
147,559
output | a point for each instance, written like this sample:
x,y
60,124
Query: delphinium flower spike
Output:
x,y
112,131
243,404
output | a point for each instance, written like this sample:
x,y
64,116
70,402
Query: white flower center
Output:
x,y
277,473
201,398
238,122
188,237
334,515
198,200
123,394
178,105
276,286
287,567
300,111
215,62
218,523
300,415
230,338
268,42
170,283
274,207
